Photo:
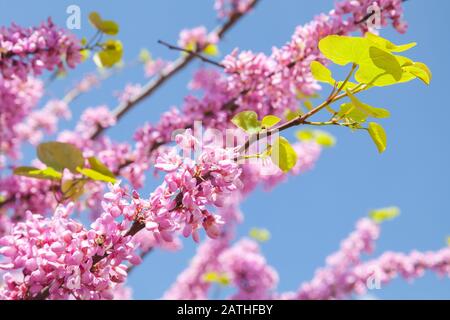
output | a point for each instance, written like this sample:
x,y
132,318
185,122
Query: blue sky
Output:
x,y
309,215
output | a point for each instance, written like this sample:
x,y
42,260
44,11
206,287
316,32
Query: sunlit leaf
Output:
x,y
269,121
98,166
260,235
283,155
321,73
291,114
211,50
247,121
383,214
388,45
145,56
378,135
85,54
359,111
419,70
47,173
214,277
322,138
343,50
59,155
95,175
73,189
110,55
379,68
106,26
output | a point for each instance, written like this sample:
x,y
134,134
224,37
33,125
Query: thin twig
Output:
x,y
193,53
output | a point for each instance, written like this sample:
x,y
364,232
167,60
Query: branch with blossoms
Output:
x,y
244,88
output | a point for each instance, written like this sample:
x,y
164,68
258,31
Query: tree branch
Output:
x,y
169,72
193,53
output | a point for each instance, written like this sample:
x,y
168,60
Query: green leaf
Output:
x,y
321,73
73,189
359,111
386,44
214,277
46,174
59,155
419,70
144,56
260,235
380,68
110,55
85,54
95,175
247,121
448,241
343,50
269,121
305,135
98,166
378,135
95,19
211,50
106,26
383,214
322,138
290,114
283,155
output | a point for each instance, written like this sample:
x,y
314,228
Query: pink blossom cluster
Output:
x,y
190,283
92,118
347,274
17,99
130,91
154,66
335,273
26,194
190,186
249,272
226,8
196,38
42,121
59,258
358,10
25,51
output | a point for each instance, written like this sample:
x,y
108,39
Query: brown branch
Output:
x,y
193,53
156,83
169,72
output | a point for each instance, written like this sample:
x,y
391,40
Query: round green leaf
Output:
x,y
59,155
106,26
110,55
269,121
247,121
283,155
211,50
321,73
